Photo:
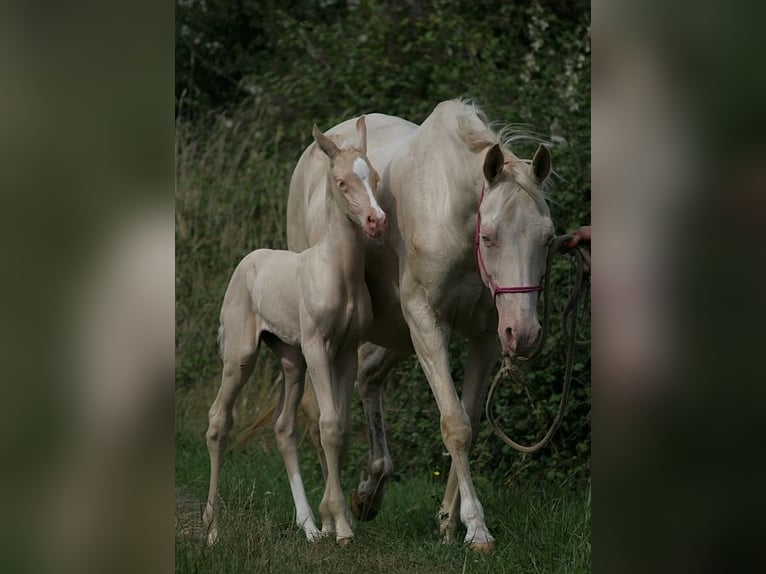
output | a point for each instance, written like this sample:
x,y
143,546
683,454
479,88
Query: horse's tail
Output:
x,y
220,341
269,412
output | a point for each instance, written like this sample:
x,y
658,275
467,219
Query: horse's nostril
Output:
x,y
508,333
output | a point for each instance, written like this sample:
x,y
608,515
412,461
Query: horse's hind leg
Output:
x,y
285,428
375,363
239,349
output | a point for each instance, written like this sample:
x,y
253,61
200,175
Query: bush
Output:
x,y
253,76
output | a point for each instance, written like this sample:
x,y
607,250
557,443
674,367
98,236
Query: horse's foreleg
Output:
x,y
325,376
375,363
285,429
429,338
482,355
239,354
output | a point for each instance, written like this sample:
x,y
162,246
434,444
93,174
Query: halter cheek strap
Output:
x,y
486,277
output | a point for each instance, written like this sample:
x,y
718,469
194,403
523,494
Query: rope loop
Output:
x,y
581,253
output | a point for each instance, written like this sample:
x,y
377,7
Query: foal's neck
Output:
x,y
343,237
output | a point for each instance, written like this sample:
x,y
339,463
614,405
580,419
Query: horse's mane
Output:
x,y
477,134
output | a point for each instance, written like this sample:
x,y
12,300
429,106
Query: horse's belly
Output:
x,y
391,332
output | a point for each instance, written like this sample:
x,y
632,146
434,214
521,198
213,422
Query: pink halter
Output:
x,y
484,274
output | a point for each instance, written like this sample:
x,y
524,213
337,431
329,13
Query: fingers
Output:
x,y
582,234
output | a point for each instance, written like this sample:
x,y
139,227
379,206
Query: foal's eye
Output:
x,y
341,183
486,239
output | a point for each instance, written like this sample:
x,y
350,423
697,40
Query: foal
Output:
x,y
311,308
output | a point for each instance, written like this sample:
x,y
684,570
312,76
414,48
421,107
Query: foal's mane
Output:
x,y
475,131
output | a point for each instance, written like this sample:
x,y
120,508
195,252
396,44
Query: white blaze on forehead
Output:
x,y
363,171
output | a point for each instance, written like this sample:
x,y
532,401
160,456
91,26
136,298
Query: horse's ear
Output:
x,y
541,164
493,164
361,129
325,143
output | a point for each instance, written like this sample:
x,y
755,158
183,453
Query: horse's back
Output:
x,y
268,280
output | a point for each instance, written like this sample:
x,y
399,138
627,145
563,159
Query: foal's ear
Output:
x,y
361,130
541,164
493,164
325,143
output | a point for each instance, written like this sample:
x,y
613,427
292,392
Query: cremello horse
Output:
x,y
455,195
311,308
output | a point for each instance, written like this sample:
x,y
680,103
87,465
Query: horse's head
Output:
x,y
513,232
355,181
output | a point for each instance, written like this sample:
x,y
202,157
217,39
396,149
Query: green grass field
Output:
x,y
538,527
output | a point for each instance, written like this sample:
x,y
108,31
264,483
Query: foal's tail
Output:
x,y
268,413
220,341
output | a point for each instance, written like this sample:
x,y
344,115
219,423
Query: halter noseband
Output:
x,y
484,274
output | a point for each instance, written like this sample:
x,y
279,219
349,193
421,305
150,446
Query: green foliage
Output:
x,y
253,76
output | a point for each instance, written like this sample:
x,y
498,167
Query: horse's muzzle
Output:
x,y
519,341
375,224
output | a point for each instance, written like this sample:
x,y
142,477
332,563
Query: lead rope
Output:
x,y
581,254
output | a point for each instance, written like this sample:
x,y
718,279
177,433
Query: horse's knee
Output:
x,y
456,431
220,421
216,434
292,370
285,433
234,364
330,432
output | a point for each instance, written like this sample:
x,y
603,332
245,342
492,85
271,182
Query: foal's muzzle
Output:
x,y
375,224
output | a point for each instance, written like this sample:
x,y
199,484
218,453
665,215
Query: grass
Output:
x,y
538,527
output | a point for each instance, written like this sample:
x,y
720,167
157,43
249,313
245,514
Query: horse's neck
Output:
x,y
463,168
464,172
343,238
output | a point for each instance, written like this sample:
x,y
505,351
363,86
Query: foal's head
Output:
x,y
355,181
513,237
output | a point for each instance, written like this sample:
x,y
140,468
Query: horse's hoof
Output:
x,y
345,541
362,511
483,547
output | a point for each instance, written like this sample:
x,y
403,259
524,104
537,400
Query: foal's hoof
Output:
x,y
483,547
363,511
345,541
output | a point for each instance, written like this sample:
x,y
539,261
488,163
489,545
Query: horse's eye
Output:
x,y
341,183
486,239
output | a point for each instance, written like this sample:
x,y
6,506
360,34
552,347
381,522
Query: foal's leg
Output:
x,y
285,428
240,347
310,408
482,355
375,363
325,377
429,337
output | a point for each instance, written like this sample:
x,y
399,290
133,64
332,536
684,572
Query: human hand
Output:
x,y
582,234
